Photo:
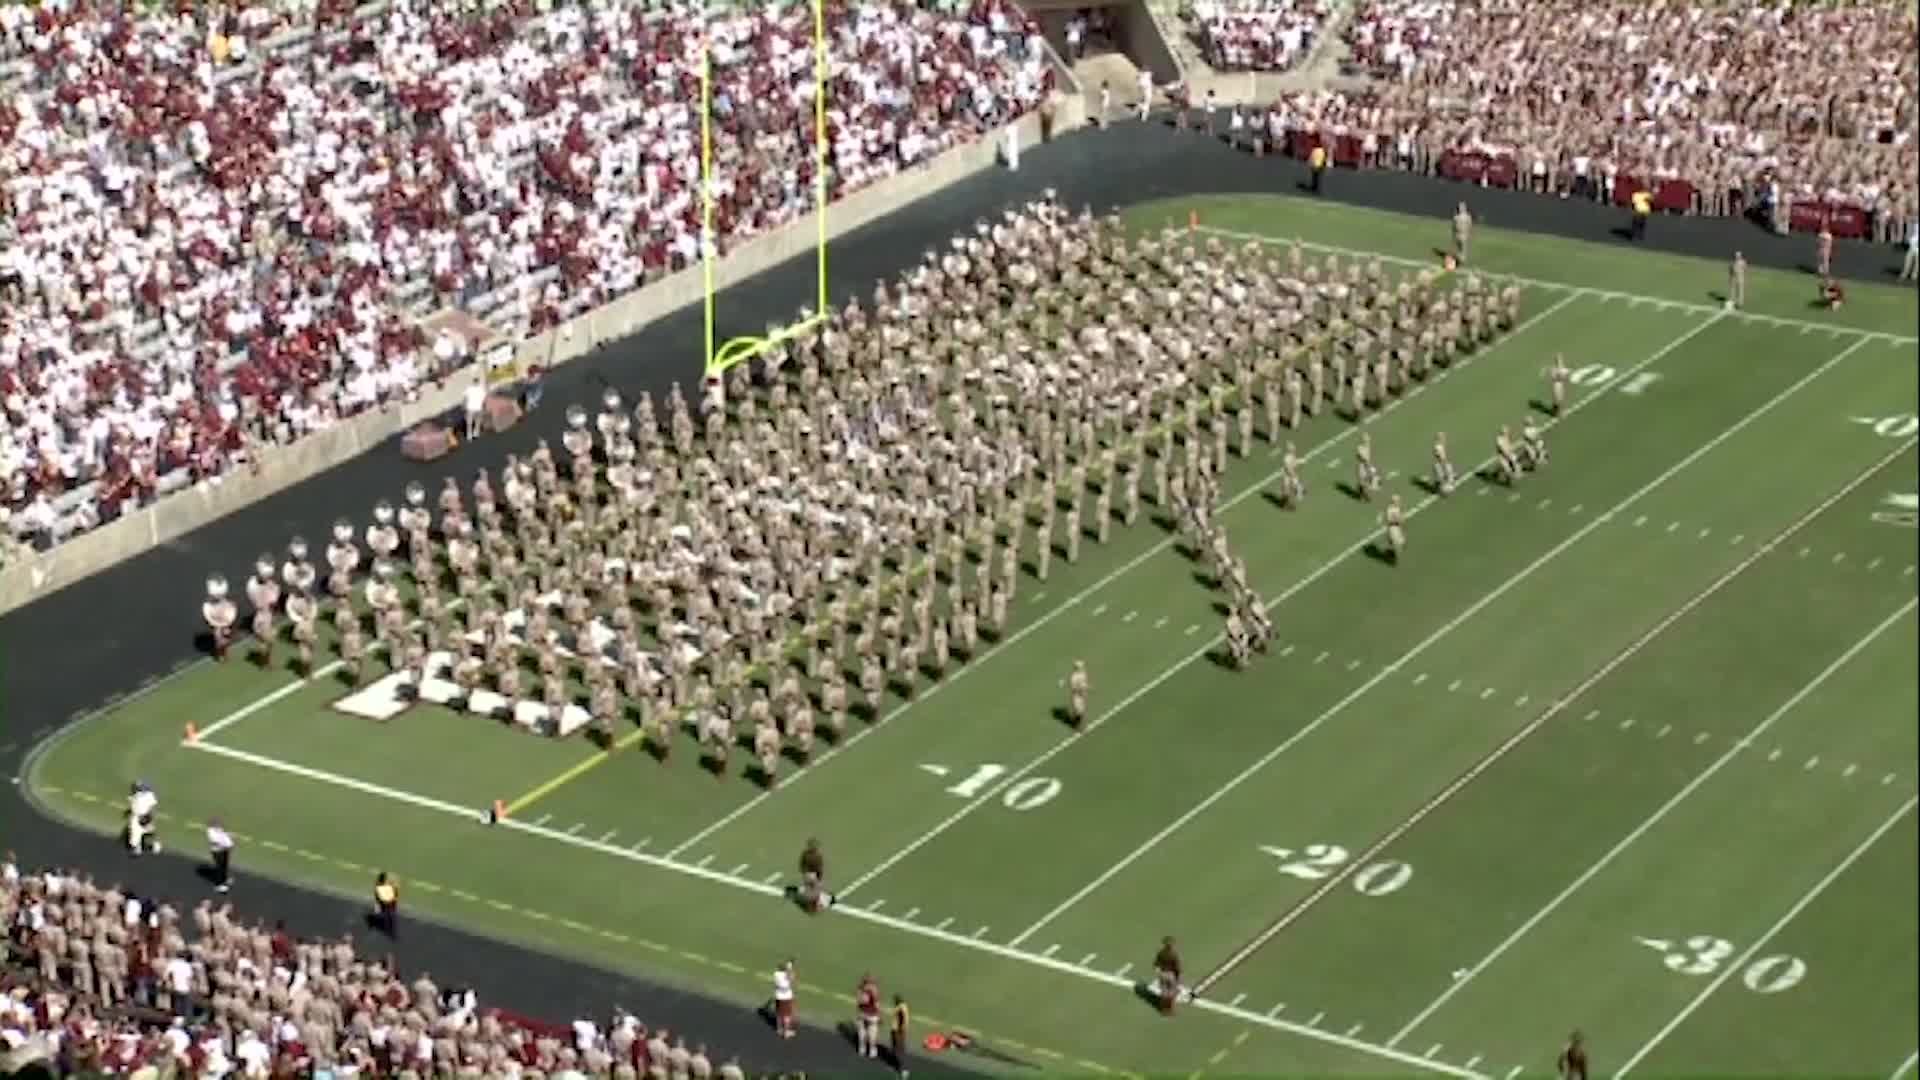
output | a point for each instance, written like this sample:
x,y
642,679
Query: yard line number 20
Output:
x,y
1595,376
1704,954
1316,862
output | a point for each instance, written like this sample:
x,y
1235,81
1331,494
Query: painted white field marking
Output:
x,y
1325,568
1075,600
1653,819
1635,299
1432,639
268,701
935,933
1805,901
1905,1066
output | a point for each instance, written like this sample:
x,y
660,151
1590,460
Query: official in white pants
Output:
x,y
220,854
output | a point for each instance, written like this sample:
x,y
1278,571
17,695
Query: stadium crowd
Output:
x,y
1257,35
209,240
1756,106
101,981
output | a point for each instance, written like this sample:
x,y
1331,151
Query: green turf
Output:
x,y
1509,756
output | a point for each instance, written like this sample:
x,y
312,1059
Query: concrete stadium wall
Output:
x,y
36,574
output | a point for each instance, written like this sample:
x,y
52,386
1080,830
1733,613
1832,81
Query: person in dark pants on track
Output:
x,y
1573,1060
902,1018
530,388
386,906
1642,210
220,854
1317,163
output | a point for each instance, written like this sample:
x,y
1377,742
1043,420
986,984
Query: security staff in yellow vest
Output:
x,y
386,905
901,1016
1317,163
1642,209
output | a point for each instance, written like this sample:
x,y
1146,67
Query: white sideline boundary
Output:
x,y
1392,669
1212,643
479,818
1805,901
1704,775
1540,283
1081,597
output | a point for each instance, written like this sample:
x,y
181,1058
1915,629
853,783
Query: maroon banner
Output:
x,y
1675,196
1346,151
1841,219
1465,167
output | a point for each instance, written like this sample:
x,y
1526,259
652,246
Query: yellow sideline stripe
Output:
x,y
584,930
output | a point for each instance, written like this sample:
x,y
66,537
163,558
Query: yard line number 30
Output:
x,y
1703,954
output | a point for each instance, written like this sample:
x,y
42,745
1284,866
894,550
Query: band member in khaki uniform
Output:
x,y
1078,686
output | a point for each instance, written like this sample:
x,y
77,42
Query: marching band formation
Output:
x,y
854,516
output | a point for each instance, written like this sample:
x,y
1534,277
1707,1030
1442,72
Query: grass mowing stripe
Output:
x,y
1692,786
1393,669
1803,325
1805,901
772,891
1244,494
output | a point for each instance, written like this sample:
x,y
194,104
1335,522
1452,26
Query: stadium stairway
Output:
x,y
1325,64
1117,72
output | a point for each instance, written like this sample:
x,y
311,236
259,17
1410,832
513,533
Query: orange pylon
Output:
x,y
1193,220
193,733
499,810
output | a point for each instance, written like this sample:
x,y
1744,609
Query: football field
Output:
x,y
1628,747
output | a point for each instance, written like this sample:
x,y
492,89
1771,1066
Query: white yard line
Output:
x,y
1905,1066
901,925
1540,283
1324,569
1805,901
1392,669
1659,815
1076,599
271,699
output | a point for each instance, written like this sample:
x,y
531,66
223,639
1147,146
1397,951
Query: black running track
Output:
x,y
104,637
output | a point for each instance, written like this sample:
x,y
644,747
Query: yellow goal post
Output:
x,y
721,356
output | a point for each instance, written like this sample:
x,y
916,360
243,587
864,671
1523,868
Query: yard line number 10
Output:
x,y
1026,793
